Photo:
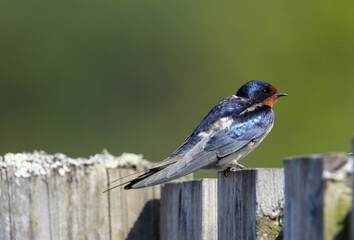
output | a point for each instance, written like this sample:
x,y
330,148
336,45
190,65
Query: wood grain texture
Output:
x,y
58,206
337,200
250,204
318,193
270,202
303,198
188,210
5,213
134,214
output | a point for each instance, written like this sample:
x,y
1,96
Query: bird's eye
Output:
x,y
266,90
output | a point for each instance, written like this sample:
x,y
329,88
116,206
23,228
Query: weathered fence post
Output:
x,y
56,197
134,214
318,192
250,204
188,210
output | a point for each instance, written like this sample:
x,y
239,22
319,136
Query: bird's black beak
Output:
x,y
280,94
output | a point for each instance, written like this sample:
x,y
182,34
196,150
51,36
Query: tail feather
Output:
x,y
152,171
129,175
109,189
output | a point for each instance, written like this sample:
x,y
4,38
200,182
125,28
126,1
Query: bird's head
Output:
x,y
260,92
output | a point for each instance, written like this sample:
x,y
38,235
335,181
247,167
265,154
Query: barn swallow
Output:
x,y
230,131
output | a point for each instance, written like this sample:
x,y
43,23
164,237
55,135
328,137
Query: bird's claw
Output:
x,y
236,168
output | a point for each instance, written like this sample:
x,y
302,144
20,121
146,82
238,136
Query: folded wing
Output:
x,y
195,159
206,148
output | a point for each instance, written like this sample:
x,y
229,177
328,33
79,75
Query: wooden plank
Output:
x,y
76,208
303,198
250,204
55,197
19,190
96,205
318,193
5,217
189,210
58,195
337,177
39,208
270,203
116,207
237,205
134,214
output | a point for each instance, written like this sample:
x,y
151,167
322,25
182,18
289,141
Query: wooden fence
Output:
x,y
55,197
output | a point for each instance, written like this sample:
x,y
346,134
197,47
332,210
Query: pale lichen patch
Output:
x,y
40,163
337,206
270,226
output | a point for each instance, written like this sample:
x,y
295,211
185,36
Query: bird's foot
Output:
x,y
240,166
234,168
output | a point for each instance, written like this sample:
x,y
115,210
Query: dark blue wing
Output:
x,y
230,106
250,126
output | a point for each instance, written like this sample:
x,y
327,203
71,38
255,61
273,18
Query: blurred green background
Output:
x,y
138,76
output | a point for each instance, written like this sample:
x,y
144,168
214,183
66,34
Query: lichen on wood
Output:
x,y
271,226
338,185
318,191
40,163
57,197
250,204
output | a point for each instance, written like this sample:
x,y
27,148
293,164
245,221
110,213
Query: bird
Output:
x,y
230,131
